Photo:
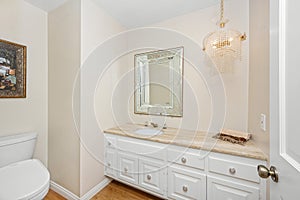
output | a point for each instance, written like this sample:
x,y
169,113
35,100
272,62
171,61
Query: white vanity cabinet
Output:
x,y
141,164
181,173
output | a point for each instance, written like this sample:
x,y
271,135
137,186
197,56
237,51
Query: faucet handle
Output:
x,y
165,126
154,125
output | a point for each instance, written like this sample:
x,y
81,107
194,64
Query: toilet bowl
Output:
x,y
27,179
21,177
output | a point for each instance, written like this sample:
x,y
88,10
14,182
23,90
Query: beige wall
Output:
x,y
97,26
259,71
64,63
24,24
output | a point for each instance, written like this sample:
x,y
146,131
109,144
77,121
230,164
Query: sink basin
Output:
x,y
148,131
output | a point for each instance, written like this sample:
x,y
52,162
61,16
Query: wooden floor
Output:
x,y
114,191
53,196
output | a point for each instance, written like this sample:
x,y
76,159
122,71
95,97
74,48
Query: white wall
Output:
x,y
27,25
64,63
96,27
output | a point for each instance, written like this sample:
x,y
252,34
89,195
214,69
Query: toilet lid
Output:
x,y
23,180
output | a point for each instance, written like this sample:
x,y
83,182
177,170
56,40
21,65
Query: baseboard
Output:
x,y
63,191
71,196
96,189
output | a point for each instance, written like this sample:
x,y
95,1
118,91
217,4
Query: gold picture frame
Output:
x,y
12,70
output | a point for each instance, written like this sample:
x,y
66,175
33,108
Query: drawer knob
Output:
x,y
109,164
185,188
183,160
109,143
126,169
232,170
149,177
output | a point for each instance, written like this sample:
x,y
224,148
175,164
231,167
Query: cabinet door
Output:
x,y
226,190
110,162
128,167
152,175
185,183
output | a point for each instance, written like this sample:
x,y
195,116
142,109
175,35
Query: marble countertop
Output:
x,y
192,139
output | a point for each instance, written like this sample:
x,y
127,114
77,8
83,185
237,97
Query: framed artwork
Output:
x,y
12,70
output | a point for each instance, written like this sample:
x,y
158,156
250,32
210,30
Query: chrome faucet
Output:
x,y
155,125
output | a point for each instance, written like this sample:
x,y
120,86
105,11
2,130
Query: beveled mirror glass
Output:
x,y
158,82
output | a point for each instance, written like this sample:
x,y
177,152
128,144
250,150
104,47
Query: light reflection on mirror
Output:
x,y
158,82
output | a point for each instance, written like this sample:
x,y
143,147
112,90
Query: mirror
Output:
x,y
158,82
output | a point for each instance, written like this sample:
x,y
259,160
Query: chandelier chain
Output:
x,y
222,11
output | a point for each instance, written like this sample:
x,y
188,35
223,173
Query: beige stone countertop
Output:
x,y
192,139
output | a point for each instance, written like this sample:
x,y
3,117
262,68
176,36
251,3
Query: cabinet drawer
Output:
x,y
187,157
141,148
233,168
152,175
221,189
128,168
184,183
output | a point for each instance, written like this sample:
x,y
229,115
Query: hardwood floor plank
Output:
x,y
119,191
113,191
53,196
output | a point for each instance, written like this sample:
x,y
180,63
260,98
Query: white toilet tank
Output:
x,y
14,148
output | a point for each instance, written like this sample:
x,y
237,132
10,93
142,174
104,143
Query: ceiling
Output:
x,y
46,5
135,13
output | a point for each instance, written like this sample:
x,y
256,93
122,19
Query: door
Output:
x,y
128,168
110,162
152,175
285,98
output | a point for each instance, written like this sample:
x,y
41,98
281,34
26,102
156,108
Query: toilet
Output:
x,y
21,177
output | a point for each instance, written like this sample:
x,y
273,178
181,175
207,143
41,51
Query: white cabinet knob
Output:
x,y
125,169
109,164
232,170
109,143
183,160
185,188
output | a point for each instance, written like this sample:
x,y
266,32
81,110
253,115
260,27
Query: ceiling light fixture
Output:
x,y
223,46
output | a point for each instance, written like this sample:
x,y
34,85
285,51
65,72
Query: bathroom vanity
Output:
x,y
181,164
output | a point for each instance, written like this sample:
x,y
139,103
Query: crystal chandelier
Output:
x,y
223,46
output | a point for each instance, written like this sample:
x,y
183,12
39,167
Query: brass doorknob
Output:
x,y
264,172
